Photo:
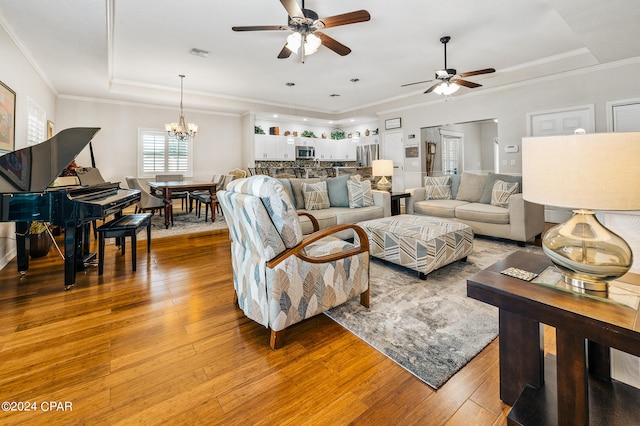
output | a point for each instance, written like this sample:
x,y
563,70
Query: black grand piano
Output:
x,y
26,196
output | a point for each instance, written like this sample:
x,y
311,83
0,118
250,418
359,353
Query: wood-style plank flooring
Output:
x,y
167,345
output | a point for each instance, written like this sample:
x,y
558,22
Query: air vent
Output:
x,y
199,52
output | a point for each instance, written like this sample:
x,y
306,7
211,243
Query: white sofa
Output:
x,y
339,211
470,203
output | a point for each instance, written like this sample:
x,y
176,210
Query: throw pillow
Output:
x,y
296,186
437,188
492,178
338,192
360,194
471,187
502,191
316,196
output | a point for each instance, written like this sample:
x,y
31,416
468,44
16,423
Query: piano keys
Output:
x,y
25,196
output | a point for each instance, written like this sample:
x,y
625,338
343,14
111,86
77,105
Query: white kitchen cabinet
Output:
x,y
268,147
344,150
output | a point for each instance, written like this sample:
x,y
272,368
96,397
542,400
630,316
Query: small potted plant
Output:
x,y
39,240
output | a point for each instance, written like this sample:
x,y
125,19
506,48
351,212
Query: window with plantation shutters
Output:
x,y
158,153
36,123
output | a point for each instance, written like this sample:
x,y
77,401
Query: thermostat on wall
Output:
x,y
511,148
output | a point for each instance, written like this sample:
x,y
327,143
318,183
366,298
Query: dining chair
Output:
x,y
147,201
177,195
204,197
238,173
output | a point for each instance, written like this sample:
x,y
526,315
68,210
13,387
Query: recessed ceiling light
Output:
x,y
199,52
275,115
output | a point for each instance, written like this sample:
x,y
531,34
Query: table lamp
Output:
x,y
382,168
598,171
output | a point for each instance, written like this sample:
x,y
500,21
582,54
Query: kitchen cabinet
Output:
x,y
335,150
268,147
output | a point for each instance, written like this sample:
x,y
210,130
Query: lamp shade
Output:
x,y
598,171
382,168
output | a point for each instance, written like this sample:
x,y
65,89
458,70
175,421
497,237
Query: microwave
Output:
x,y
305,153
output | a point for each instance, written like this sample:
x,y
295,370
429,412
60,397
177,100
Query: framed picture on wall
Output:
x,y
392,123
411,152
7,118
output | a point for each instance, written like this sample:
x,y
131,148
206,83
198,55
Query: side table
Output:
x,y
395,201
586,327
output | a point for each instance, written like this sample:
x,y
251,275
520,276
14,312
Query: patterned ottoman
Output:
x,y
422,243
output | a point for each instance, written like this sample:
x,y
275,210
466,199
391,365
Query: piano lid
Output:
x,y
32,169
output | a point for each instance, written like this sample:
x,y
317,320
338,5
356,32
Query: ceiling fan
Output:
x,y
449,81
305,27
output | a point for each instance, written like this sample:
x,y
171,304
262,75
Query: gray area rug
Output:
x,y
430,327
183,223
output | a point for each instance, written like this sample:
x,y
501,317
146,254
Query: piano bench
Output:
x,y
125,226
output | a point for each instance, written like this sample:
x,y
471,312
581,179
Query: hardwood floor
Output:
x,y
167,344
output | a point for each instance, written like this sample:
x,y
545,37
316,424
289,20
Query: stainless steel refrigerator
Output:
x,y
365,154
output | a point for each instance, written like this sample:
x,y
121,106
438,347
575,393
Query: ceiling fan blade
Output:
x,y
261,28
465,83
293,9
417,82
332,44
478,72
346,18
284,53
430,89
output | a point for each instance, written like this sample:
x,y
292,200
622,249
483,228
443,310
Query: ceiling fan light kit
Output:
x,y
448,81
311,43
446,89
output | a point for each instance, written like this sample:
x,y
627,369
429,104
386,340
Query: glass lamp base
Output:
x,y
588,254
383,184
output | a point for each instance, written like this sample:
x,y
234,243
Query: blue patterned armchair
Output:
x,y
280,276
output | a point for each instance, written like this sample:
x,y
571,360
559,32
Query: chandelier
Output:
x,y
181,130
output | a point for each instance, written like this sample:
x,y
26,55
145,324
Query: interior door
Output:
x,y
393,149
560,122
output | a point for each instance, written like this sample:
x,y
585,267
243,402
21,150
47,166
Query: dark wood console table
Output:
x,y
575,394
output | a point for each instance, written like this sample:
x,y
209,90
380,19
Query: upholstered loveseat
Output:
x,y
491,204
346,201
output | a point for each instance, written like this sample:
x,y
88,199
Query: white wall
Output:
x,y
217,146
17,73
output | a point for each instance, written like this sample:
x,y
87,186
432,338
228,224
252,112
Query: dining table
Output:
x,y
167,188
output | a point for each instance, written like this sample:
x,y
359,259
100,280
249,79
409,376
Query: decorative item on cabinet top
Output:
x,y
337,134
